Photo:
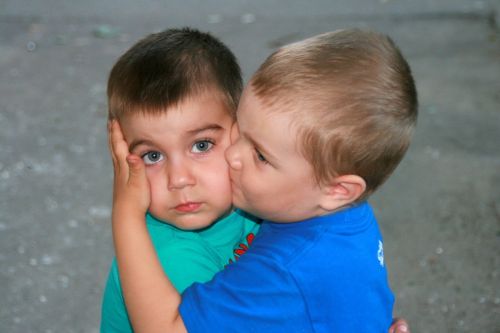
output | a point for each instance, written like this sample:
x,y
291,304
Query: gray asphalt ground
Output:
x,y
440,212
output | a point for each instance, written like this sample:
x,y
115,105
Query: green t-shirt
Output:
x,y
186,257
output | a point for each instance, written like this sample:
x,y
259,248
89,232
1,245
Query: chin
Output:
x,y
189,221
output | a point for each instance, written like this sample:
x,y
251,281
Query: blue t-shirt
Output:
x,y
325,274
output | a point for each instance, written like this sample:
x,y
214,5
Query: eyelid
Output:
x,y
211,140
142,149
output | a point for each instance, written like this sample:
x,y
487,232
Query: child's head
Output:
x,y
174,94
344,103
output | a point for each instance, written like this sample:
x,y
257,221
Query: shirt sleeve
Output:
x,y
184,262
114,316
261,297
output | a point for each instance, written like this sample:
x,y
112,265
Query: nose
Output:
x,y
180,175
235,132
233,155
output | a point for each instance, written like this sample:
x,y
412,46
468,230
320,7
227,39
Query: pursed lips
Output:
x,y
188,207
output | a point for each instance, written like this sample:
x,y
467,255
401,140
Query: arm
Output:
x,y
184,262
152,301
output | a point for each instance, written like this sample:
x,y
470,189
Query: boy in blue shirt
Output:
x,y
322,123
175,94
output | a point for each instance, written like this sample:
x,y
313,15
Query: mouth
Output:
x,y
188,207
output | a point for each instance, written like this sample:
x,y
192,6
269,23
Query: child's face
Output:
x,y
270,178
183,150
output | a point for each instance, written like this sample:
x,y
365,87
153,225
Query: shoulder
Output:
x,y
237,223
186,261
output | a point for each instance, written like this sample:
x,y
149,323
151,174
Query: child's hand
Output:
x,y
399,325
131,193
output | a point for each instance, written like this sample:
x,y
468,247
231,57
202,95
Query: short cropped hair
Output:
x,y
165,68
353,101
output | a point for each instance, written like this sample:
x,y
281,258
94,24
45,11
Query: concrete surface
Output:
x,y
440,212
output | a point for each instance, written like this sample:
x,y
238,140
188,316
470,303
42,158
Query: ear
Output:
x,y
341,191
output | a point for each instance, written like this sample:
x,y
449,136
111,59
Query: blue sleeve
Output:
x,y
320,292
114,317
250,298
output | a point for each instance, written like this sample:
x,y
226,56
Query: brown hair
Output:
x,y
165,68
353,99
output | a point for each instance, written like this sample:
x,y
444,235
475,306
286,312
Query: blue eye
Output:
x,y
202,146
152,157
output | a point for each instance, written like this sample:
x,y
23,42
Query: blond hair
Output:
x,y
353,100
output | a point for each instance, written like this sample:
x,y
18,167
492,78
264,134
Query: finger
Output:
x,y
110,146
111,140
119,148
401,326
137,170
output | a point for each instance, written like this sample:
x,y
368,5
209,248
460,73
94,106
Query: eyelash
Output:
x,y
260,157
145,155
210,142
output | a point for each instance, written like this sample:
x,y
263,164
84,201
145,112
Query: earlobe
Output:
x,y
342,191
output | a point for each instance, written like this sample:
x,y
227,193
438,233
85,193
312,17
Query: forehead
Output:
x,y
279,112
267,124
190,114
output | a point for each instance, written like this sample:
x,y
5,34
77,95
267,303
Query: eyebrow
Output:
x,y
136,143
209,127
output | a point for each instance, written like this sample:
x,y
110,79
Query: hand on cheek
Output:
x,y
131,192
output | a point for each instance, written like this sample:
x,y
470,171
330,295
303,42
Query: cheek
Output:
x,y
258,180
215,175
151,174
157,182
271,193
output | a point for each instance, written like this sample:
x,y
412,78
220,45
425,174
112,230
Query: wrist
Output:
x,y
127,212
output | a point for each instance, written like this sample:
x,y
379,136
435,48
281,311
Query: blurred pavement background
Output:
x,y
440,212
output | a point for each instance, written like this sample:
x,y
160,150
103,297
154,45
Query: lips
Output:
x,y
188,207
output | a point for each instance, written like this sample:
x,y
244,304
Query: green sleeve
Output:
x,y
114,316
184,261
188,261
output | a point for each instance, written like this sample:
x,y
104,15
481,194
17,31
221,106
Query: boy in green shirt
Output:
x,y
175,94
